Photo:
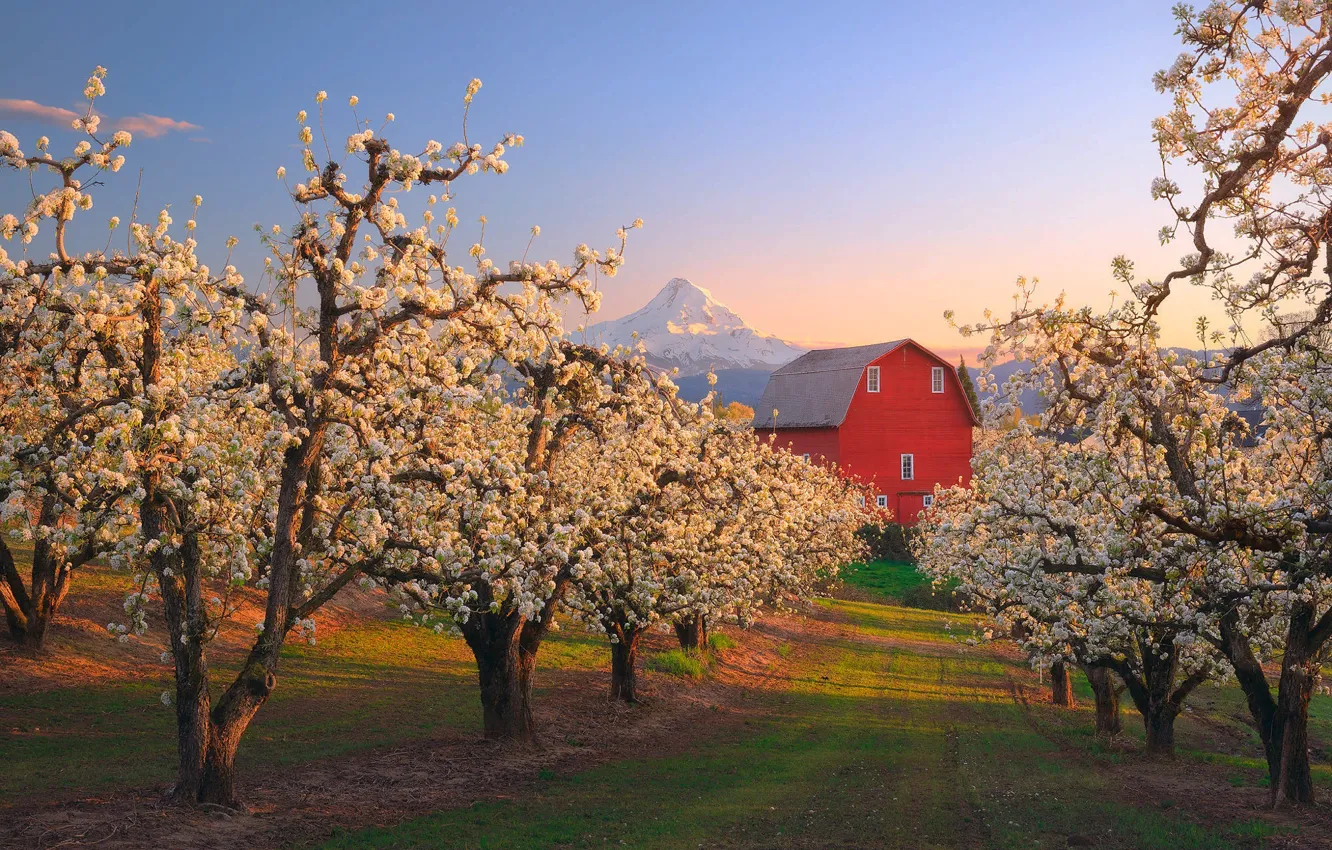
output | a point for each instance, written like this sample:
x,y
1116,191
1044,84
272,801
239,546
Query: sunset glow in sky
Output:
x,y
838,173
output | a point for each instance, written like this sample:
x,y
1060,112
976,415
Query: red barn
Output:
x,y
893,415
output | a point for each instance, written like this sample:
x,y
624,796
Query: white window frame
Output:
x,y
908,467
806,457
881,501
937,379
928,500
860,501
872,381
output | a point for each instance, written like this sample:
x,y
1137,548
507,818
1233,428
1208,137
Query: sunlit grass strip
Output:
x,y
677,662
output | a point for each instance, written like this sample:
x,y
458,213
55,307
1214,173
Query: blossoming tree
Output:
x,y
65,421
221,436
496,507
1047,542
1246,119
708,523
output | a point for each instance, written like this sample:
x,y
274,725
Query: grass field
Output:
x,y
890,734
895,582
863,725
890,580
380,684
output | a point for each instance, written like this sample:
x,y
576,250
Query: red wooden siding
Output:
x,y
906,417
821,444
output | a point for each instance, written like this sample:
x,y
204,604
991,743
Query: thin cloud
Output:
x,y
153,126
143,124
37,111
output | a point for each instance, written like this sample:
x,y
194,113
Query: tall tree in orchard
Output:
x,y
494,510
1120,599
274,470
1245,124
646,473
65,479
394,312
804,524
707,524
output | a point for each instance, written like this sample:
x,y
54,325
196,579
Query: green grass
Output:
x,y
677,662
718,642
888,579
896,582
863,744
378,684
892,732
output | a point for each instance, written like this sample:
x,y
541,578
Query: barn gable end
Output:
x,y
902,440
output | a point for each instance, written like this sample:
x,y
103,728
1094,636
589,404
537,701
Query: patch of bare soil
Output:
x,y
79,651
579,726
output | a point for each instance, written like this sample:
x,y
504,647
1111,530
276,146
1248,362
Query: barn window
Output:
x,y
872,379
908,467
881,501
936,379
805,455
860,500
929,501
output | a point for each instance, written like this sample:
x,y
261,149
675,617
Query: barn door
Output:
x,y
909,506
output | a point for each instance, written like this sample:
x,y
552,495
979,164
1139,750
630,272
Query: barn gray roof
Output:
x,y
815,389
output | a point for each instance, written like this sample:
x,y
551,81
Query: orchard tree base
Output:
x,y
1061,685
505,647
1106,696
692,632
624,662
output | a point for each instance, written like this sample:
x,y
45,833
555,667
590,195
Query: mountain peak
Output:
x,y
684,326
681,287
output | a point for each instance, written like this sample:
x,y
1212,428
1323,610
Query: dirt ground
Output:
x,y
290,806
79,651
294,805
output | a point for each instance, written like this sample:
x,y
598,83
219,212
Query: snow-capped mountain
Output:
x,y
685,327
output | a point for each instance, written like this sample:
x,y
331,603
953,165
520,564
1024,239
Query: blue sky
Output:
x,y
834,172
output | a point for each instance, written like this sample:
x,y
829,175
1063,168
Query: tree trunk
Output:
x,y
692,631
28,623
1293,780
219,774
1102,684
227,724
505,662
624,657
1019,632
1158,716
248,692
193,729
505,646
1152,684
207,751
1061,685
1283,723
1249,674
182,600
207,742
29,611
1159,723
